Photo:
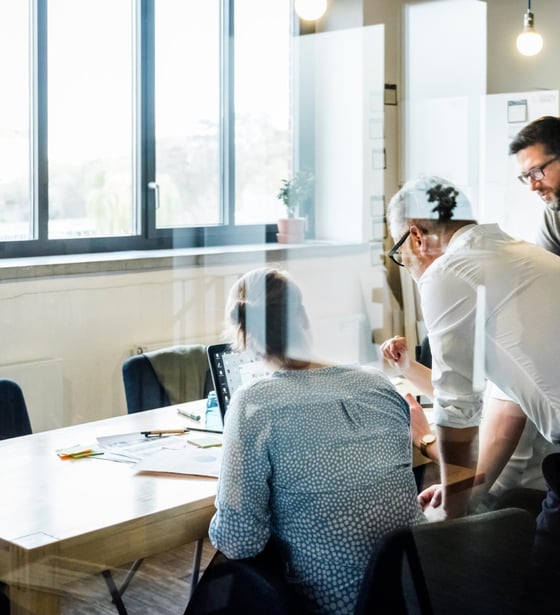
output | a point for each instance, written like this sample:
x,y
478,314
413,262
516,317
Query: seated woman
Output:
x,y
315,456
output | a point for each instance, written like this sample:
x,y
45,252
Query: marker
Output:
x,y
189,415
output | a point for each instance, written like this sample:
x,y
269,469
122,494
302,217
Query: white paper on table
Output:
x,y
189,460
134,447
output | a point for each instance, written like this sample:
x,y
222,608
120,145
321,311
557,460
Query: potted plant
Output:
x,y
295,194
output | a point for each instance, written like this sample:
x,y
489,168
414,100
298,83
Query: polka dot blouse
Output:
x,y
320,459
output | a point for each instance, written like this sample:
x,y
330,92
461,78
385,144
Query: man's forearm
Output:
x,y
503,425
420,376
457,447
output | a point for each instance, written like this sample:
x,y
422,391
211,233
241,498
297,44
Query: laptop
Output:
x,y
230,369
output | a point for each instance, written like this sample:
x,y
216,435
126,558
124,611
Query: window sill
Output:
x,y
137,261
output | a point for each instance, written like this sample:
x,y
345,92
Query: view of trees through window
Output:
x,y
105,136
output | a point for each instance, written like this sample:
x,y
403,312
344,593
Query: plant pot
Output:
x,y
291,230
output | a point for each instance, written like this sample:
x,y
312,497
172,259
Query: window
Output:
x,y
142,125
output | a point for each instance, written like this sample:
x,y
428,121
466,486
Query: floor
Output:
x,y
160,586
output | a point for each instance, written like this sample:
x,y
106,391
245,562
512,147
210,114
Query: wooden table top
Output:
x,y
46,499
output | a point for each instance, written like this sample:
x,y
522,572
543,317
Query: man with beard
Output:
x,y
537,149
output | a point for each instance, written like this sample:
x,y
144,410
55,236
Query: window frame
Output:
x,y
148,237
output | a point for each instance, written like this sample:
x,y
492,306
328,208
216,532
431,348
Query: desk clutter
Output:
x,y
78,451
161,451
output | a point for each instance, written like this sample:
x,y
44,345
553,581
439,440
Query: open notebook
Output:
x,y
231,369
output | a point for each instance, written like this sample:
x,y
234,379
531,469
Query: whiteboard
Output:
x,y
503,198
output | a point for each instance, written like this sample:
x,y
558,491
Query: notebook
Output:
x,y
231,369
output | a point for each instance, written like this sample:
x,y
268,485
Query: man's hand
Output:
x,y
430,500
432,496
395,351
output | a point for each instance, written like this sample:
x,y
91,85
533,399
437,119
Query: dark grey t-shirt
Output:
x,y
549,231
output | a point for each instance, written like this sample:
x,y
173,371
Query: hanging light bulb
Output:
x,y
310,10
529,42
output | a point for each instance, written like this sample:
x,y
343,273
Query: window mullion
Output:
x,y
39,121
227,113
146,139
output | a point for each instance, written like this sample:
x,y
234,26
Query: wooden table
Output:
x,y
61,519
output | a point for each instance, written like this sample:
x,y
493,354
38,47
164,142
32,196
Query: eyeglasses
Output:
x,y
536,173
394,253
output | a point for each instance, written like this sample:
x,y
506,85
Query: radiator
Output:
x,y
41,381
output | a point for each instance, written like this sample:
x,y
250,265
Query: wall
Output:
x,y
508,70
91,322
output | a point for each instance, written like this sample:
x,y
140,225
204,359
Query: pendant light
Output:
x,y
310,10
529,42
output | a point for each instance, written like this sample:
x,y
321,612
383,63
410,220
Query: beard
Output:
x,y
554,202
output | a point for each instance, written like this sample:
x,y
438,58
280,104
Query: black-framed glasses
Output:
x,y
394,252
536,173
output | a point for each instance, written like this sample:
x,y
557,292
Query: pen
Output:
x,y
203,430
190,415
162,432
158,433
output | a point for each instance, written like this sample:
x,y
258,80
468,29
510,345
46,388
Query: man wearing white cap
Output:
x,y
514,318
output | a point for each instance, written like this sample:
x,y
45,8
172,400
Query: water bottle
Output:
x,y
213,416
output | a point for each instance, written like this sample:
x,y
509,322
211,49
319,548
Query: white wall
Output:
x,y
445,77
347,68
90,322
508,70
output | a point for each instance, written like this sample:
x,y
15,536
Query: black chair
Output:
x,y
183,376
478,564
424,353
14,418
252,586
14,422
155,379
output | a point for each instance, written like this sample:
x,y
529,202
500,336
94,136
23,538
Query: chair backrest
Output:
x,y
247,586
477,564
171,375
14,418
424,353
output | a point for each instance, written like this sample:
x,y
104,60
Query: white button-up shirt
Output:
x,y
522,326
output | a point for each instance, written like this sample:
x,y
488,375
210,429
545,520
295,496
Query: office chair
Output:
x,y
476,564
424,353
14,419
14,422
171,375
252,586
168,376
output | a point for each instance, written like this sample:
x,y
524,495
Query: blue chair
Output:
x,y
14,419
14,422
163,377
175,374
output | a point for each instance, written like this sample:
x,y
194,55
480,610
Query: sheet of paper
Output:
x,y
188,460
133,447
204,441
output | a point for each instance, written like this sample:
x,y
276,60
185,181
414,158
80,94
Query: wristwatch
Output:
x,y
426,440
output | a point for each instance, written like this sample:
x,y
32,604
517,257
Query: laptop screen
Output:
x,y
231,369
